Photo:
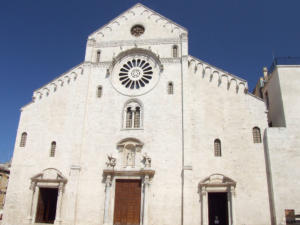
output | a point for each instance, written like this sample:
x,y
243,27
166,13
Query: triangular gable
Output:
x,y
138,9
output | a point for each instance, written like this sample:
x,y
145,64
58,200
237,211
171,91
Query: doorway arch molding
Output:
x,y
48,178
212,184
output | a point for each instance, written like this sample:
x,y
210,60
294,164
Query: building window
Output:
x,y
175,51
217,145
137,30
128,117
99,91
132,115
137,117
256,135
23,139
170,88
53,148
98,56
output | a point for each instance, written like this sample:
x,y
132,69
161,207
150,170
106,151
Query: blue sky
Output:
x,y
39,40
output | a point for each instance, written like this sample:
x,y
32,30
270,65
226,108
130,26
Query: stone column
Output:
x,y
59,203
232,193
229,207
107,199
205,206
146,199
33,189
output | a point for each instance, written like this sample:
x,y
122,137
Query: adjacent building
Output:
x,y
143,133
4,177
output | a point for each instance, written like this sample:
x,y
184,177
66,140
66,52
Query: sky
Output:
x,y
39,40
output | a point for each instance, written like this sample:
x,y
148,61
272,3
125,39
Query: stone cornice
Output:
x,y
141,172
59,82
215,74
105,44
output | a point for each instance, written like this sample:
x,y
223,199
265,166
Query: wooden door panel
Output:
x,y
127,202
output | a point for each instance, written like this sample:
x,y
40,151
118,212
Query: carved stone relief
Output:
x,y
128,149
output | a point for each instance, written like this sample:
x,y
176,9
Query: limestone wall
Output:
x,y
213,109
282,150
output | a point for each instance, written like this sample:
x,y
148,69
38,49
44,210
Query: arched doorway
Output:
x,y
217,193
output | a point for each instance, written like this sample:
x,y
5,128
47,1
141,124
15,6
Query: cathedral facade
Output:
x,y
143,133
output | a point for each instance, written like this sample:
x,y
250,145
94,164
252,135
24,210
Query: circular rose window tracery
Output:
x,y
135,74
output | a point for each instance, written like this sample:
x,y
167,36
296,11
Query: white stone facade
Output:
x,y
104,131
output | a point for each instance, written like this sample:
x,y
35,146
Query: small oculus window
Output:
x,y
137,30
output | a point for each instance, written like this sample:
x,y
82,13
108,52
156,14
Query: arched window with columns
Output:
x,y
132,115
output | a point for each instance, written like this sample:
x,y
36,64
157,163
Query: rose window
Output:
x,y
135,74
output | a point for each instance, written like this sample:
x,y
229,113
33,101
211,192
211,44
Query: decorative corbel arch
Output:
x,y
67,78
231,82
145,11
191,63
206,71
61,82
214,76
54,86
74,74
46,91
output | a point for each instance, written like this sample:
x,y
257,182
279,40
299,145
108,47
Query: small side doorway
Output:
x,y
127,202
46,208
218,208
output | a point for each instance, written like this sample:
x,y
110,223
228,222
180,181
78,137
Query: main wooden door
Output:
x,y
127,202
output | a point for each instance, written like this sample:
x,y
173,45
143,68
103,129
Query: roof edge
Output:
x,y
137,4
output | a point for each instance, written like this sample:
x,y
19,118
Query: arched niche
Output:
x,y
129,149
